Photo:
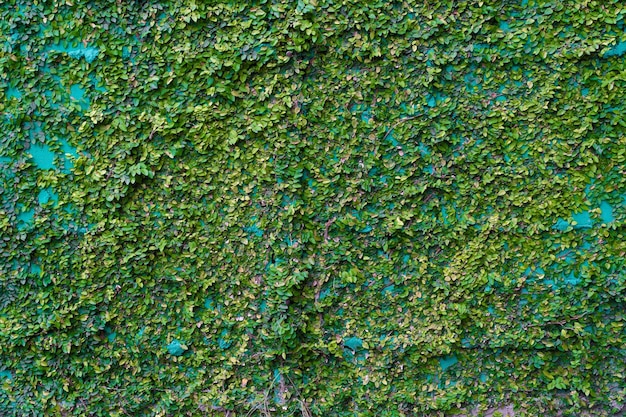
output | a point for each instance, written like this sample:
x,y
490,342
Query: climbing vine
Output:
x,y
321,207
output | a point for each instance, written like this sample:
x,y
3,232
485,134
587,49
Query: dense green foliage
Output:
x,y
321,207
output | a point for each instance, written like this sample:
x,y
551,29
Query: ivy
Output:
x,y
324,207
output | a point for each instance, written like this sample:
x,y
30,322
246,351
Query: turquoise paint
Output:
x,y
472,83
254,230
278,396
46,195
483,377
35,132
444,216
615,110
42,156
191,373
357,357
571,279
209,304
175,348
97,85
561,225
111,335
223,343
366,229
6,375
504,26
583,220
353,343
77,93
13,92
25,218
443,384
465,342
391,139
7,118
389,342
4,160
606,213
286,201
533,275
324,293
12,40
447,362
35,269
126,51
566,255
366,114
89,53
617,50
390,289
479,46
584,92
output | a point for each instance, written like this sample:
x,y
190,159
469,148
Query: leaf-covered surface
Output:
x,y
321,207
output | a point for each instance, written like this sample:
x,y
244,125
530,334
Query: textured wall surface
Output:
x,y
317,208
